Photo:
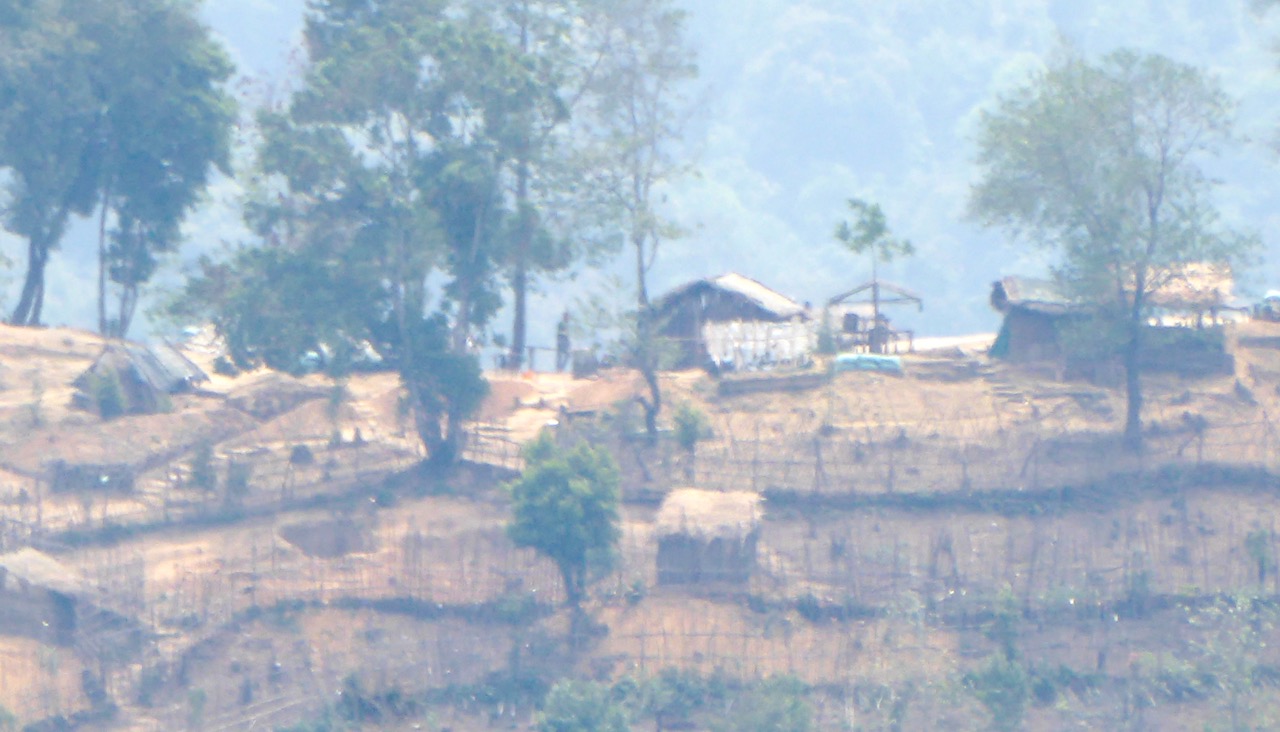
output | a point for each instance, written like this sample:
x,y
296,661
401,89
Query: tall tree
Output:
x,y
869,234
1100,162
385,174
565,506
171,122
134,124
637,113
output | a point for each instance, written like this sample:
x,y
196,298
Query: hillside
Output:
x,y
915,528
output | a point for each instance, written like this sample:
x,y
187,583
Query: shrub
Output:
x,y
108,395
578,706
691,426
202,472
1002,686
775,705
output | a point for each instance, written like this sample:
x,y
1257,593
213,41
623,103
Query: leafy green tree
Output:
x,y
638,107
385,173
136,122
1101,163
1228,647
553,220
869,234
581,706
565,506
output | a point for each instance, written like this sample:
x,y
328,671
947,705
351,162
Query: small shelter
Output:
x,y
1035,311
38,596
146,375
708,537
863,323
1037,315
733,321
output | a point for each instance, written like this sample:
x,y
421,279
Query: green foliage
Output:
x,y
774,705
108,395
1258,545
869,234
691,426
674,695
201,470
1006,624
581,706
134,125
565,506
196,700
1229,655
1003,687
1100,162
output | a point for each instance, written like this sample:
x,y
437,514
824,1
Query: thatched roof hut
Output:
x,y
708,536
145,375
732,316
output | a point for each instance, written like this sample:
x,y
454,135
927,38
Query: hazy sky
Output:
x,y
804,103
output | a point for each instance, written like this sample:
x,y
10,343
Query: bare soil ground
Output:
x,y
865,584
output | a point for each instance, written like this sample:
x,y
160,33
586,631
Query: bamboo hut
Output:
x,y
708,537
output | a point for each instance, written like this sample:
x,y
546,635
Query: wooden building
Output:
x,y
38,596
1185,333
1035,314
708,537
733,321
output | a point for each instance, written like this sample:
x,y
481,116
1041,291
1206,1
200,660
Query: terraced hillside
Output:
x,y
959,545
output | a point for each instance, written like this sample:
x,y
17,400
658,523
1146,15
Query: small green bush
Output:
x,y
691,426
581,706
108,395
202,474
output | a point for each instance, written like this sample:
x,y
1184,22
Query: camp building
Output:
x,y
1186,336
735,322
707,537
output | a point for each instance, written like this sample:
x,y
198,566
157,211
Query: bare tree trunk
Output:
x,y
520,278
1133,388
102,263
647,346
27,312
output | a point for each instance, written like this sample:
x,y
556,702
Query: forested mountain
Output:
x,y
804,103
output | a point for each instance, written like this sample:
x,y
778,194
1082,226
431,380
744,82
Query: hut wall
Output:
x,y
683,324
684,559
1033,336
36,612
745,343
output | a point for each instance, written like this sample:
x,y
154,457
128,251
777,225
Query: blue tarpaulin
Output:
x,y
868,362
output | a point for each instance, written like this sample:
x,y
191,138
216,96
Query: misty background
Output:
x,y
801,104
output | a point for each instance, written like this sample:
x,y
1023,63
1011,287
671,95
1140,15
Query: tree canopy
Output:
x,y
565,506
134,125
1102,163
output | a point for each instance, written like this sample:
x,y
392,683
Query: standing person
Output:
x,y
562,342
